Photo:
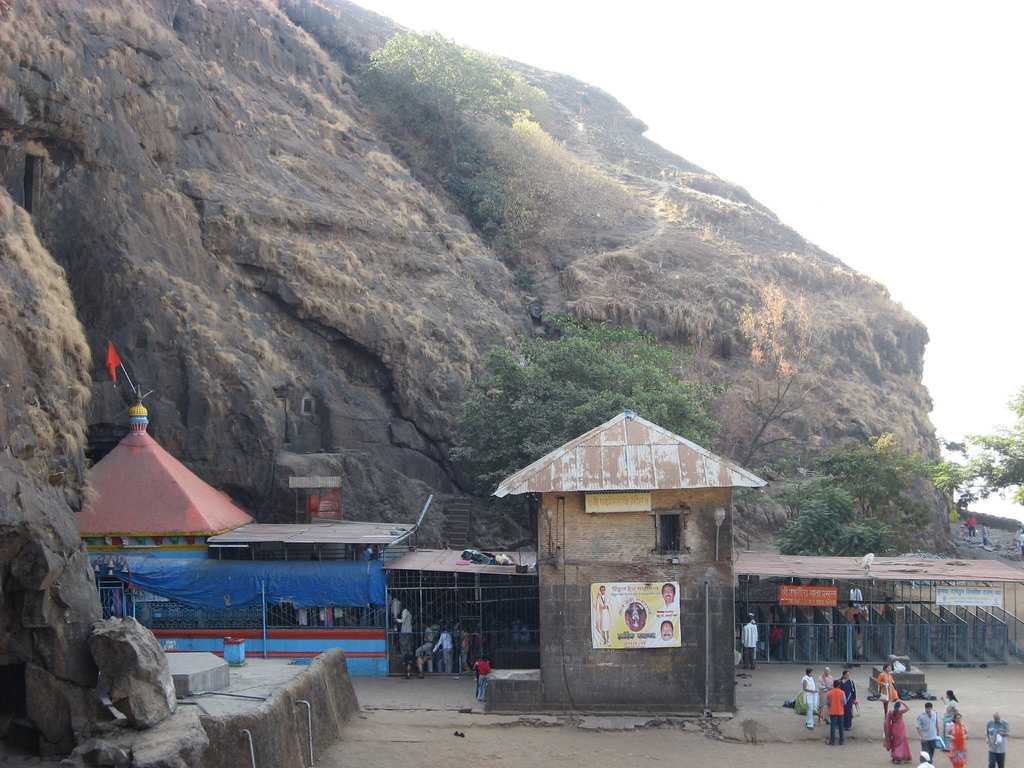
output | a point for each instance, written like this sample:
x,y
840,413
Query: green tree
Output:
x,y
825,525
999,463
865,497
543,392
452,84
880,478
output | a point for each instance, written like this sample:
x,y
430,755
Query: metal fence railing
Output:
x,y
945,636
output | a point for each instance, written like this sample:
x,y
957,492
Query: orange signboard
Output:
x,y
819,597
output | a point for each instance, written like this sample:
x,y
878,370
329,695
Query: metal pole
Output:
x,y
387,626
263,606
309,720
707,649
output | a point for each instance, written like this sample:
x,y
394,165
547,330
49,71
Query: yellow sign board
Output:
x,y
618,502
635,615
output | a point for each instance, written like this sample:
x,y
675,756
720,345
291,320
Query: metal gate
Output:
x,y
488,615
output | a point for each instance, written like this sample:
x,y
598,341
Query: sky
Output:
x,y
889,134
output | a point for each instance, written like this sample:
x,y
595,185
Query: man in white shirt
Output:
x,y
445,644
856,596
810,688
748,638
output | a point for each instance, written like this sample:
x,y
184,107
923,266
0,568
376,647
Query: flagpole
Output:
x,y
121,365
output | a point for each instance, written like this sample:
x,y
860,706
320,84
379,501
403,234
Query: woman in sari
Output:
x,y
952,707
850,692
896,734
958,742
825,685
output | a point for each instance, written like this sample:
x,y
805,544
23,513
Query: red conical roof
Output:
x,y
142,490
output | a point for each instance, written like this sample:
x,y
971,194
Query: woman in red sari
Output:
x,y
896,734
958,742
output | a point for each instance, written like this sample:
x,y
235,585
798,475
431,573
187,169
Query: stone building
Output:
x,y
635,560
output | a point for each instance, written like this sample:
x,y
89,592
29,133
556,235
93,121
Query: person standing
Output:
x,y
886,688
1020,541
749,639
850,693
928,730
775,642
958,742
824,686
856,596
810,690
405,632
996,731
482,667
445,645
396,613
836,709
972,525
896,734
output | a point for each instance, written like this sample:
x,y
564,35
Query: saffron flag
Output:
x,y
113,361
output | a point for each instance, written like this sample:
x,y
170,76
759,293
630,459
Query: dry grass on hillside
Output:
x,y
50,359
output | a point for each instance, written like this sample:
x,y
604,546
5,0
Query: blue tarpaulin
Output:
x,y
238,583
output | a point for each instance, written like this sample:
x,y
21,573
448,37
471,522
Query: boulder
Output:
x,y
133,671
178,742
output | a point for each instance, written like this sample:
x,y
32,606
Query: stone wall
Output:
x,y
279,727
578,549
513,690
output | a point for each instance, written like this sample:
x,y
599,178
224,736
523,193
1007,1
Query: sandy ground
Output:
x,y
414,722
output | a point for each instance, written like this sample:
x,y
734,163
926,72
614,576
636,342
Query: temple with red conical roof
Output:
x,y
146,501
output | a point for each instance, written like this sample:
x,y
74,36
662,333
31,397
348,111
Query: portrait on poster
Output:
x,y
635,615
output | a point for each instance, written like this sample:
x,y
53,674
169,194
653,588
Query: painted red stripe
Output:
x,y
277,634
297,654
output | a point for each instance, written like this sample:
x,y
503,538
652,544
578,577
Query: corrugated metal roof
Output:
x,y
907,568
628,453
450,561
342,532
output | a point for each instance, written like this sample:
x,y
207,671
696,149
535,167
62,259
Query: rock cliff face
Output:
x,y
47,593
230,215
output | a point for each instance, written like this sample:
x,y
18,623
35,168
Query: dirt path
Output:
x,y
414,723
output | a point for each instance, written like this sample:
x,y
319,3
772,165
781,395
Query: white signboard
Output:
x,y
984,596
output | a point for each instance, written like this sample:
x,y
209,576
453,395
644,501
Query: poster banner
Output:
x,y
817,597
967,596
635,614
595,503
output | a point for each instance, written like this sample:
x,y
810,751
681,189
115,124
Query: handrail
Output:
x,y
252,751
309,721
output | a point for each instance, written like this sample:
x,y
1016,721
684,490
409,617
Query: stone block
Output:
x,y
197,673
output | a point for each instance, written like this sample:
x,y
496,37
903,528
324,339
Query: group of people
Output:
x,y
834,701
971,525
831,700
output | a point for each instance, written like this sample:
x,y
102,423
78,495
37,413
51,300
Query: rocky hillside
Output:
x,y
48,599
231,213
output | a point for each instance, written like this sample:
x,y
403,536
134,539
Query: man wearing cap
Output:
x,y
749,641
926,760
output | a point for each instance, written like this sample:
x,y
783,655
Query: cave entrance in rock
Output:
x,y
19,732
33,182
